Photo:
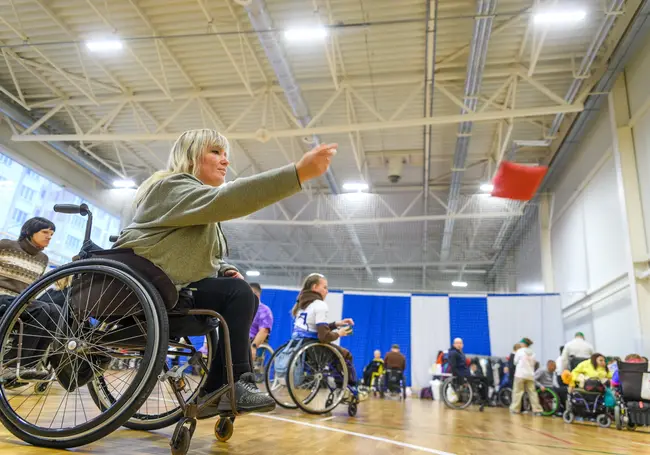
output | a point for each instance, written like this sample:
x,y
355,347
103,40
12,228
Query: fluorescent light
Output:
x,y
252,273
459,284
385,280
104,45
305,34
124,184
355,186
487,187
559,17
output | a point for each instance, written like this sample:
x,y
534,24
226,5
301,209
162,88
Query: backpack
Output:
x,y
426,394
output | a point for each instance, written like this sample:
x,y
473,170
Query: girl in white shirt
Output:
x,y
525,378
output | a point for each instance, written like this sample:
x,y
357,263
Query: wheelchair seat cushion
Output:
x,y
181,324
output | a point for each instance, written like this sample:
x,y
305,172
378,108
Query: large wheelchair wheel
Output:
x,y
161,408
317,377
108,312
275,379
457,393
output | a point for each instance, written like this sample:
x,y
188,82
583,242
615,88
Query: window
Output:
x,y
72,243
27,193
5,160
77,221
96,235
18,216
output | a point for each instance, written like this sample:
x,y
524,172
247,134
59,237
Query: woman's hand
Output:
x,y
315,162
233,274
347,321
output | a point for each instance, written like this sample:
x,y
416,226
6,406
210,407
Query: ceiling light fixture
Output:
x,y
252,273
487,187
459,284
104,45
305,34
124,184
353,186
385,280
557,17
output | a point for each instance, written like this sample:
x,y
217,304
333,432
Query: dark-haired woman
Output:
x,y
22,262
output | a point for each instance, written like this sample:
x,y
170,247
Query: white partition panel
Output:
x,y
552,328
429,334
615,330
335,303
511,318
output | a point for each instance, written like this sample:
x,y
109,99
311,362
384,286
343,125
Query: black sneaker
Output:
x,y
249,399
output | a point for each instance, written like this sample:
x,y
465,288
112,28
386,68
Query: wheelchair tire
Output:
x,y
604,420
618,418
295,370
469,391
550,404
223,429
259,368
141,420
157,329
286,404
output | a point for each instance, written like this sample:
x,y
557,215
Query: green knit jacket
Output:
x,y
176,223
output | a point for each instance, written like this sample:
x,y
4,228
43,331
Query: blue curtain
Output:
x,y
468,319
280,301
380,321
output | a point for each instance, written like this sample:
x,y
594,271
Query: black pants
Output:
x,y
39,326
234,299
482,386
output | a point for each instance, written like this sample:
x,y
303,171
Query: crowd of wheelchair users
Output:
x,y
580,383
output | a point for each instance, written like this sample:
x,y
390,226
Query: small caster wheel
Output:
x,y
568,417
352,409
181,442
41,387
223,429
329,402
604,420
631,426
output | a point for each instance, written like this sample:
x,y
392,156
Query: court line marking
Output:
x,y
548,435
327,418
352,433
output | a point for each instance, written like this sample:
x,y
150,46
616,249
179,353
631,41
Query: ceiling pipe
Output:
x,y
629,43
262,23
475,65
429,75
21,117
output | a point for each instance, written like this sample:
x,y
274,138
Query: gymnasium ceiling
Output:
x,y
388,82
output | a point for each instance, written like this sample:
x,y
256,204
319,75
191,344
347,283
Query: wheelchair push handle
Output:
x,y
81,209
113,238
72,209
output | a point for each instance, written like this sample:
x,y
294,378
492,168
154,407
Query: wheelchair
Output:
x,y
310,375
263,355
393,383
633,402
548,400
459,392
118,308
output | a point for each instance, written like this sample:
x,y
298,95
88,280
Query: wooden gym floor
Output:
x,y
381,427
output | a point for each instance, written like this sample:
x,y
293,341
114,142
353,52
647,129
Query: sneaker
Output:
x,y
249,399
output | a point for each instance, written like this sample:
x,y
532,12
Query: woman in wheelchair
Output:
x,y
311,320
587,384
176,226
21,263
593,368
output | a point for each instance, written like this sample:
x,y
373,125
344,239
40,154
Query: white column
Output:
x,y
545,241
632,211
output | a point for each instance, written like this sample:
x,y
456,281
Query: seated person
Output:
x,y
311,319
262,323
394,359
592,368
505,380
22,262
460,369
546,378
177,226
375,366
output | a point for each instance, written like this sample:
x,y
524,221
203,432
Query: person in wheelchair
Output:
x,y
177,226
22,262
594,368
460,370
262,323
373,370
311,319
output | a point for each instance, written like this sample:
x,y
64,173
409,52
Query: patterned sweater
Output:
x,y
21,263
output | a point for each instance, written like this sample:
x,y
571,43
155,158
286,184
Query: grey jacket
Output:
x,y
176,224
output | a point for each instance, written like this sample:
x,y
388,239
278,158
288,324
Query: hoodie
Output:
x,y
458,363
525,364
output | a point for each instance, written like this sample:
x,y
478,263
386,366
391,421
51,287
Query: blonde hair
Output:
x,y
185,157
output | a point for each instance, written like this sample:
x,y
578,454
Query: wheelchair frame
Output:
x,y
186,425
